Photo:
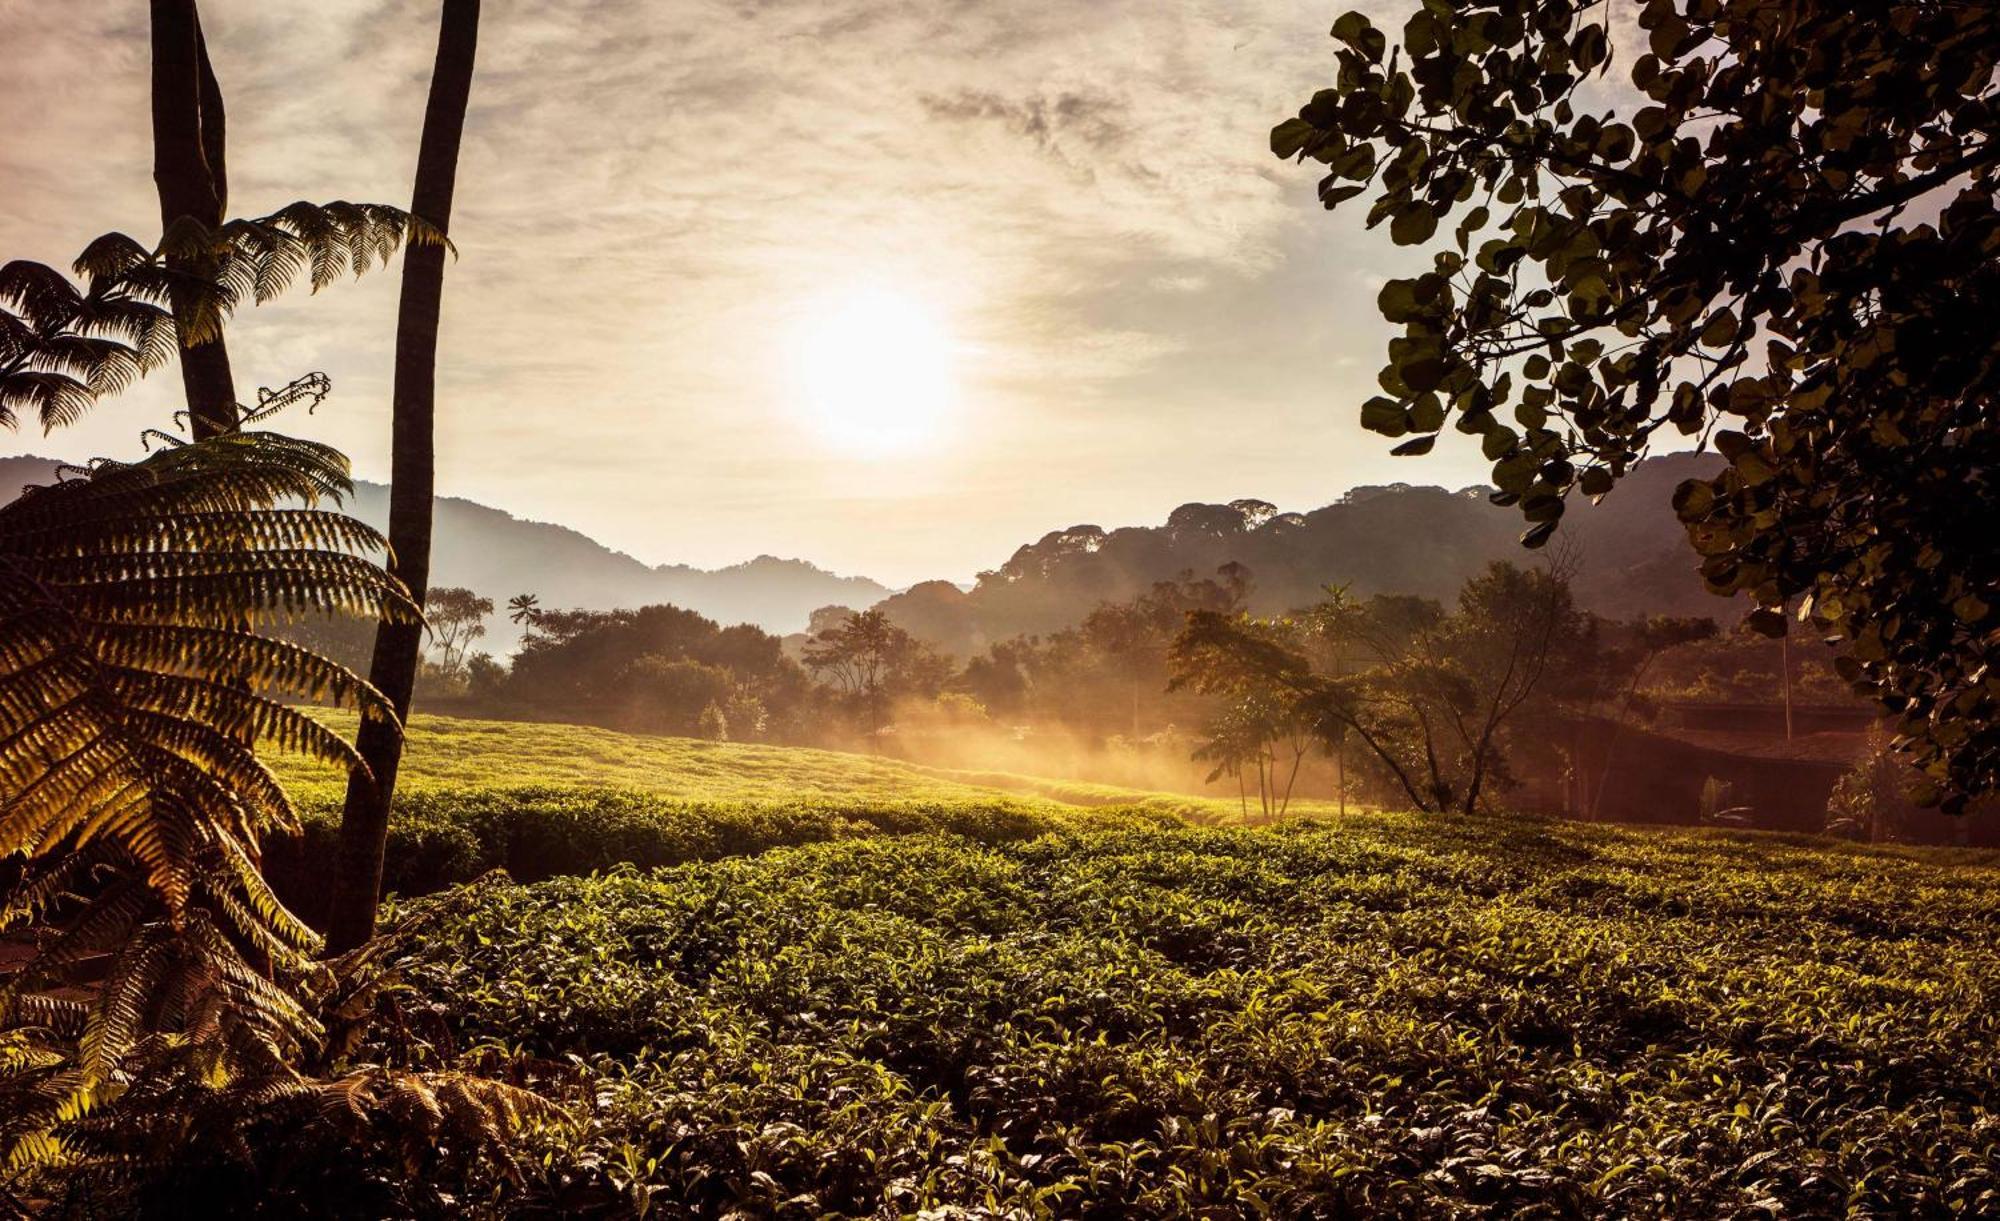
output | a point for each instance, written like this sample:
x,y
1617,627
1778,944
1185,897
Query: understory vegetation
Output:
x,y
1392,1014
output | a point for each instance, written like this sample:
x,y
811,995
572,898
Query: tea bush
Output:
x,y
444,837
1391,1017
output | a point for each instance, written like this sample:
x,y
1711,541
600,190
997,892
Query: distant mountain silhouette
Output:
x,y
17,473
1635,558
499,555
1394,539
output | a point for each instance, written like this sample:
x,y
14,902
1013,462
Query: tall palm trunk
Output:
x,y
393,670
191,173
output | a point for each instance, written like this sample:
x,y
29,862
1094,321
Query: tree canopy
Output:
x,y
1780,239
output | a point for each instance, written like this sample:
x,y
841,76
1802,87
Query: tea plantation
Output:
x,y
977,1006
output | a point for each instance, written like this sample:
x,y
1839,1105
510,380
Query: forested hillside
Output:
x,y
498,555
1633,557
1400,538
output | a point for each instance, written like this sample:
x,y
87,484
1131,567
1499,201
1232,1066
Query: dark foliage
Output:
x,y
1790,248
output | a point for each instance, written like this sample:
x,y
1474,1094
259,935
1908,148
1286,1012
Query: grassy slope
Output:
x,y
450,752
445,753
540,800
938,995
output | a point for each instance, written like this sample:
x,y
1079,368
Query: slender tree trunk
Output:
x,y
393,670
191,173
1340,773
1785,663
1292,780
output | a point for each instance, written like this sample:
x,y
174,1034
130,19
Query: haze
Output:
x,y
1111,299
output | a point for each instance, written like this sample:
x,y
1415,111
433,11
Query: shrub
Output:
x,y
1130,1021
1865,801
441,838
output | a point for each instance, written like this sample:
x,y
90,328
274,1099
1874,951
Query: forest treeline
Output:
x,y
1140,689
1397,538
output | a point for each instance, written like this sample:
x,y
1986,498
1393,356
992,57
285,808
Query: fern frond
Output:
x,y
109,257
40,295
57,398
134,698
122,1001
61,347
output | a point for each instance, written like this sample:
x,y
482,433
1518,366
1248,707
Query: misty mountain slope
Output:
x,y
499,555
1633,557
1634,560
18,472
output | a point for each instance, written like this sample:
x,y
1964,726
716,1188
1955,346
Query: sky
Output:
x,y
890,285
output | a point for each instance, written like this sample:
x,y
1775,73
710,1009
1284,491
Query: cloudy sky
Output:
x,y
696,234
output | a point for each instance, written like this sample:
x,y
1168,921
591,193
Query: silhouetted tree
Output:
x,y
588,664
827,618
364,825
524,610
1784,243
1436,692
872,660
457,618
1261,731
672,694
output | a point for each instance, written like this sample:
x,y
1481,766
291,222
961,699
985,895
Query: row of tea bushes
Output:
x,y
444,837
1390,1018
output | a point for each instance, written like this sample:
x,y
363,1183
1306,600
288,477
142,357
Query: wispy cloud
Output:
x,y
1150,308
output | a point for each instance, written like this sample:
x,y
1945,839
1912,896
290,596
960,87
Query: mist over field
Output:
x,y
976,611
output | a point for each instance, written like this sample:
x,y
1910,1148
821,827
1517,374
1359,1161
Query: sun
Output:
x,y
875,372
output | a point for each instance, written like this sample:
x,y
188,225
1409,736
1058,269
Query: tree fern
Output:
x,y
311,1135
134,692
62,345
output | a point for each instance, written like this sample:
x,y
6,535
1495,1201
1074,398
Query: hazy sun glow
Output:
x,y
875,372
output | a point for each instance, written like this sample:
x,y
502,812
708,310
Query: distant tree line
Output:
x,y
1390,699
1368,542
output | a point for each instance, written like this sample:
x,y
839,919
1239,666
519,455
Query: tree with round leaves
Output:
x,y
1781,240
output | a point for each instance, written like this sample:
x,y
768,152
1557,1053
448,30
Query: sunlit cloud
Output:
x,y
649,191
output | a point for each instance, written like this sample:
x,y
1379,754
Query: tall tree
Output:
x,y
863,655
457,618
399,646
1782,239
1438,694
191,173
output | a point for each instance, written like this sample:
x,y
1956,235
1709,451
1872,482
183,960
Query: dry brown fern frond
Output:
x,y
359,1143
308,1133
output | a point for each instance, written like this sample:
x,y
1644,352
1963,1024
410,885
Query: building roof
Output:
x,y
1839,748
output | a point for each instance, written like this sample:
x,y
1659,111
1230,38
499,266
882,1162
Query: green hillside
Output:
x,y
452,753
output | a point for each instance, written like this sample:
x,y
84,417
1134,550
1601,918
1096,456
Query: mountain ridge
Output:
x,y
1394,538
499,555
